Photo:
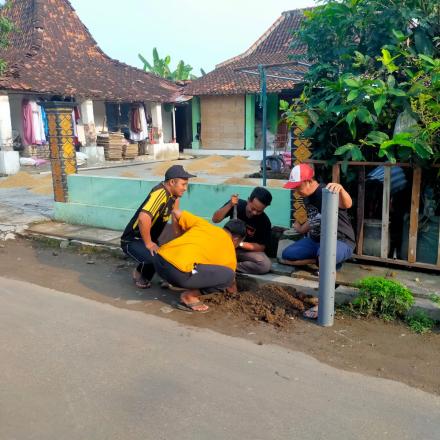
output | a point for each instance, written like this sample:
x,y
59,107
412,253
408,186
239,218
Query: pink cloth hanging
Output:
x,y
28,126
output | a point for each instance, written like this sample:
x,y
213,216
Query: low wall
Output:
x,y
109,202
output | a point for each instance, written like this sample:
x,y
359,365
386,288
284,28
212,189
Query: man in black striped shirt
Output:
x,y
139,239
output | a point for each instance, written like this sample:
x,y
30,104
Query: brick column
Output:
x,y
62,148
301,150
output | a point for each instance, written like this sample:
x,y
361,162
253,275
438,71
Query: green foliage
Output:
x,y
161,67
384,298
435,299
6,27
420,322
374,66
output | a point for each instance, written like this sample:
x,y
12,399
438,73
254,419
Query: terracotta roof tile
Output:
x,y
273,47
53,52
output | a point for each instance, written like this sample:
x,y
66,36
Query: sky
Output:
x,y
201,32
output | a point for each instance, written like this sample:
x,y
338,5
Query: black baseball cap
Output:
x,y
177,172
236,227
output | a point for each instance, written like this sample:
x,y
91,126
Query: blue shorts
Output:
x,y
307,249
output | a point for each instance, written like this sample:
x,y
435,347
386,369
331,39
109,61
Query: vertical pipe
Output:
x,y
384,241
174,135
264,123
327,259
292,193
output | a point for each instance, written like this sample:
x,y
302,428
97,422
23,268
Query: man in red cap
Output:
x,y
306,250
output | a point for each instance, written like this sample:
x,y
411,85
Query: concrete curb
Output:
x,y
343,294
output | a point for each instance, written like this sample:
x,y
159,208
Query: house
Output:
x,y
225,110
53,56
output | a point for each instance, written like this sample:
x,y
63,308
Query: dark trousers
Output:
x,y
208,278
137,250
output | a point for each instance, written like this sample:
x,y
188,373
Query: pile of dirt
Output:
x,y
270,303
215,165
160,168
34,183
129,174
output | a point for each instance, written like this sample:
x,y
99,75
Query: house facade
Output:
x,y
225,108
53,56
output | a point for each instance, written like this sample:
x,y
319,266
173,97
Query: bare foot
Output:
x,y
191,299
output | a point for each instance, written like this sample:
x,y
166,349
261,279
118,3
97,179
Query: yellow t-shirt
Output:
x,y
201,243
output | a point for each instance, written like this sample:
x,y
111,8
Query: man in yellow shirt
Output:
x,y
202,260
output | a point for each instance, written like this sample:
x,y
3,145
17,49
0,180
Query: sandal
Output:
x,y
140,281
142,284
311,313
190,307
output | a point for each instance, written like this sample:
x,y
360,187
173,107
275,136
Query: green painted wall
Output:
x,y
250,123
272,112
109,202
196,118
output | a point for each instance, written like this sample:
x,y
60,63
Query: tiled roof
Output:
x,y
52,52
273,47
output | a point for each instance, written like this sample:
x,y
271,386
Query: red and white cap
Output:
x,y
299,174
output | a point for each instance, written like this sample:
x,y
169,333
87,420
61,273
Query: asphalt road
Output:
x,y
72,368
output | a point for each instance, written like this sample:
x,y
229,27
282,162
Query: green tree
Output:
x,y
161,67
6,27
373,88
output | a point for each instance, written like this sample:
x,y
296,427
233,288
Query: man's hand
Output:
x,y
152,247
335,187
234,199
345,201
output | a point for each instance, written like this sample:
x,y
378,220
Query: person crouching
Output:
x,y
202,260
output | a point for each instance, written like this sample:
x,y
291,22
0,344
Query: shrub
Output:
x,y
420,322
384,298
435,299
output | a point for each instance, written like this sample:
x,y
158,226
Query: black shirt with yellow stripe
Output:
x,y
158,205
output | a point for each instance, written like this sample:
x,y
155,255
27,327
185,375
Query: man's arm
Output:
x,y
145,230
254,247
302,228
345,201
175,221
221,213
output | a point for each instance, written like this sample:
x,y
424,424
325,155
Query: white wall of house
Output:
x,y
100,119
15,101
167,124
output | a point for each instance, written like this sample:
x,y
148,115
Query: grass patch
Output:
x,y
420,322
381,297
435,299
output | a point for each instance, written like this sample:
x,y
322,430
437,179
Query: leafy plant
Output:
x,y
384,298
6,27
161,67
435,299
373,88
420,322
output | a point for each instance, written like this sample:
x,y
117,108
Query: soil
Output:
x,y
215,165
269,315
273,304
40,184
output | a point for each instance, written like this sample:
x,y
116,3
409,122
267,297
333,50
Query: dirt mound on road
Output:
x,y
270,303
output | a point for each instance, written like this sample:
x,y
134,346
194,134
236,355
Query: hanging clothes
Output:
x,y
135,120
27,120
37,124
45,121
141,124
42,131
